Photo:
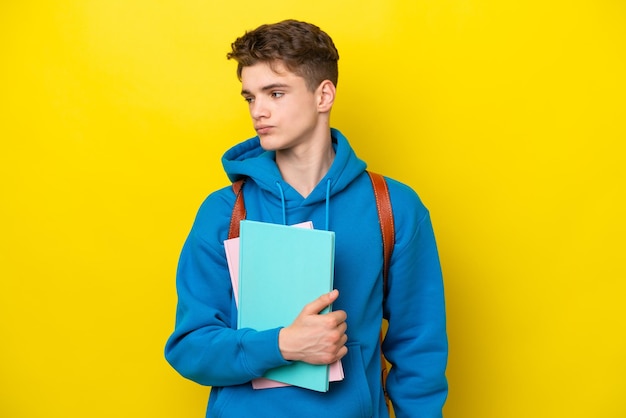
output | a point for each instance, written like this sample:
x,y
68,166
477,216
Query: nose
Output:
x,y
258,109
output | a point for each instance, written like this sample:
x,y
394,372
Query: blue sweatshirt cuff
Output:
x,y
262,351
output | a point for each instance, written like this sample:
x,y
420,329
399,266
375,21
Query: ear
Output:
x,y
325,96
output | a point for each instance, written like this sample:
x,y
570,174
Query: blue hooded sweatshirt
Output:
x,y
207,347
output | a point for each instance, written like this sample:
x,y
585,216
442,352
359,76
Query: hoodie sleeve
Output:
x,y
416,341
205,346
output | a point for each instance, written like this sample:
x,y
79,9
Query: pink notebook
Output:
x,y
232,257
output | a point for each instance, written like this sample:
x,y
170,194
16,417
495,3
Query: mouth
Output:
x,y
263,129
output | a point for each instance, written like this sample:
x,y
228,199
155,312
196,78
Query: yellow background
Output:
x,y
508,117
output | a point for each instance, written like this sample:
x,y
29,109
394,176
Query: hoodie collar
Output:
x,y
249,160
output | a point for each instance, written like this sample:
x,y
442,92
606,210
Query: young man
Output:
x,y
299,169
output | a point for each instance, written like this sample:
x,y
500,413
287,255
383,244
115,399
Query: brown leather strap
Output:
x,y
385,217
387,228
239,209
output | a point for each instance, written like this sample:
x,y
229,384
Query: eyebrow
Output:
x,y
266,88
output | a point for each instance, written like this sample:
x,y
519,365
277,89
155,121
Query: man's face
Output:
x,y
284,112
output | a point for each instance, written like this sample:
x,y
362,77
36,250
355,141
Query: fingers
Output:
x,y
336,319
320,303
315,338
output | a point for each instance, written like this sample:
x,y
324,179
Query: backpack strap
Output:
x,y
387,228
385,218
239,209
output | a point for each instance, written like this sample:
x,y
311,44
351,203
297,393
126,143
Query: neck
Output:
x,y
304,168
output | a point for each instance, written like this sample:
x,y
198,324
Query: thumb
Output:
x,y
320,303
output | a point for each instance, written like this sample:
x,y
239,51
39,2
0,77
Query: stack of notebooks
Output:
x,y
275,271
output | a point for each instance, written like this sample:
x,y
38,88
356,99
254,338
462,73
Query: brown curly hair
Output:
x,y
303,48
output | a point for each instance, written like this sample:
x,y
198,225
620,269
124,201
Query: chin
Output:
x,y
267,144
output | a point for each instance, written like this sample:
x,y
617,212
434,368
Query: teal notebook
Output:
x,y
281,269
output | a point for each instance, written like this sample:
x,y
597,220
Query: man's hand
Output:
x,y
315,338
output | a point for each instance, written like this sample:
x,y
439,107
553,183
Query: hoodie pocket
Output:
x,y
354,390
349,398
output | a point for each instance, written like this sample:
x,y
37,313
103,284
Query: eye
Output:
x,y
277,94
249,99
